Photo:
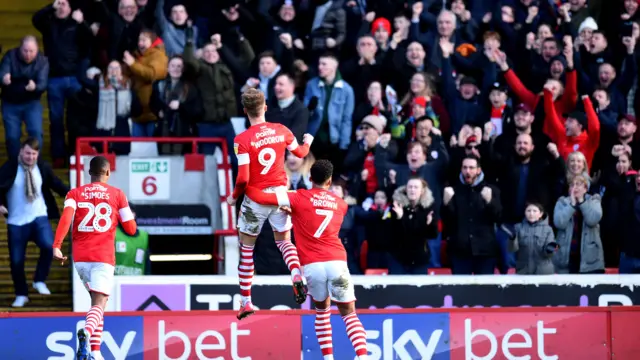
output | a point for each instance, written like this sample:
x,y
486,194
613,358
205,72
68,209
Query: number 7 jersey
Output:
x,y
317,217
97,209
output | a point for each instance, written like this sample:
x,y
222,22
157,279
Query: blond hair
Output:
x,y
253,102
580,156
304,168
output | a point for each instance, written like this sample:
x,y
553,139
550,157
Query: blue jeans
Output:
x,y
39,230
143,129
220,130
434,250
463,265
628,264
13,115
59,90
397,268
507,259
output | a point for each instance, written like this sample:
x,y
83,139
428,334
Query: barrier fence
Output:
x,y
594,333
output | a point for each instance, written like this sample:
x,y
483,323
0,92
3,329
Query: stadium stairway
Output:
x,y
15,22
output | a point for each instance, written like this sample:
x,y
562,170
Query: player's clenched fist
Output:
x,y
230,200
307,139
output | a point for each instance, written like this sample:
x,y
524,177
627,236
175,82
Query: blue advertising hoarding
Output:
x,y
389,337
54,338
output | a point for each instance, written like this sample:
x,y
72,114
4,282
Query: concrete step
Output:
x,y
31,260
22,6
18,31
56,273
61,287
13,18
54,300
30,308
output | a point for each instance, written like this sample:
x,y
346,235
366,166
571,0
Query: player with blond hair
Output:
x,y
261,155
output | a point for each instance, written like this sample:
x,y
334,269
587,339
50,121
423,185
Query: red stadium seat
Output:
x,y
376,272
364,249
439,271
510,272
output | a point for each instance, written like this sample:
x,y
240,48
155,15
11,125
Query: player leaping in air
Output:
x,y
317,216
94,209
261,155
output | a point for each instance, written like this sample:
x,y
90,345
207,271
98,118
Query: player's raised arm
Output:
x,y
243,172
125,215
292,144
63,225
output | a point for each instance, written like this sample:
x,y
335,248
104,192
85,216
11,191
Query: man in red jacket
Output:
x,y
579,132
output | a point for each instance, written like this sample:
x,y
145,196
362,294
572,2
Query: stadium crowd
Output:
x,y
467,134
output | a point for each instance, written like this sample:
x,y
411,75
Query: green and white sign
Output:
x,y
149,179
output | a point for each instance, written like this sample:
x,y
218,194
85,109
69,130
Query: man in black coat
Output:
x,y
471,209
67,39
27,203
527,177
288,110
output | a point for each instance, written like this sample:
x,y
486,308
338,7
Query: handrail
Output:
x,y
193,140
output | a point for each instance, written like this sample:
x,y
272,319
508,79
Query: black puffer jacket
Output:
x,y
470,220
411,232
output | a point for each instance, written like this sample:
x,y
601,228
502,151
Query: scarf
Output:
x,y
114,102
29,184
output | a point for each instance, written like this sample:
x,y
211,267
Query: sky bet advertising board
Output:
x,y
490,334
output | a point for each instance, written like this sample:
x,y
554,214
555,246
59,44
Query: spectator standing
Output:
x,y
173,31
148,65
534,243
115,100
24,72
375,217
580,131
630,249
66,39
526,178
367,156
331,111
413,226
177,104
616,182
122,29
26,200
471,210
328,28
288,110
214,80
577,218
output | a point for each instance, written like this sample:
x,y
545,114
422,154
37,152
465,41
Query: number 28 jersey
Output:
x,y
263,147
98,208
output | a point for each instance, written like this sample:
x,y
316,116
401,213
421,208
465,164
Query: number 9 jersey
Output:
x,y
261,155
97,209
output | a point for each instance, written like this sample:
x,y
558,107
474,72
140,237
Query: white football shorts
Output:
x,y
96,277
253,216
330,278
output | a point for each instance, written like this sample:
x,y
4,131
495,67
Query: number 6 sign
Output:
x,y
149,179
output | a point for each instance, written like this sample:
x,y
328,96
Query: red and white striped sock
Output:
x,y
93,319
323,332
96,338
290,256
357,334
245,272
